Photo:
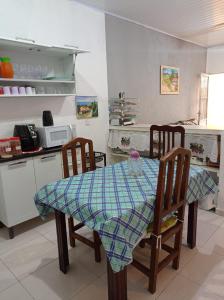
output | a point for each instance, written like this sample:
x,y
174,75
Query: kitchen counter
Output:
x,y
98,155
26,155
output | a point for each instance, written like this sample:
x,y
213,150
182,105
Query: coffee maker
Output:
x,y
28,135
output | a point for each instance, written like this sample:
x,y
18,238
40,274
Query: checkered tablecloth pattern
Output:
x,y
115,204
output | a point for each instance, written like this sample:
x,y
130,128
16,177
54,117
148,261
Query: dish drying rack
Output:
x,y
122,112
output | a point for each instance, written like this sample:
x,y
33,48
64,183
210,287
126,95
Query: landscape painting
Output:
x,y
170,77
86,107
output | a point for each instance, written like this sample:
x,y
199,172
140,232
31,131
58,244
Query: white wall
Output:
x,y
134,57
215,60
60,22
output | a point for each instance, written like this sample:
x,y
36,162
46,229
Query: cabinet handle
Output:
x,y
48,157
18,163
25,39
71,46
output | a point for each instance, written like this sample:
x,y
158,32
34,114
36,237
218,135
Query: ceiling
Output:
x,y
198,21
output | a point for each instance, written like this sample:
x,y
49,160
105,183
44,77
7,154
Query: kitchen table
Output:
x,y
119,207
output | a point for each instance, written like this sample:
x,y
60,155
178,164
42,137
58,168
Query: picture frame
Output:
x,y
86,107
169,80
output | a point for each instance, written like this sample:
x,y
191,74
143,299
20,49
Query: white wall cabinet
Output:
x,y
50,28
33,25
19,181
14,21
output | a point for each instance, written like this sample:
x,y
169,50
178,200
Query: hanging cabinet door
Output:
x,y
16,19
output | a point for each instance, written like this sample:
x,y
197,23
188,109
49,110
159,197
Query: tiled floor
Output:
x,y
29,267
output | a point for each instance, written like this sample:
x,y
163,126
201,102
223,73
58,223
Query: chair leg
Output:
x,y
154,261
71,227
97,243
177,247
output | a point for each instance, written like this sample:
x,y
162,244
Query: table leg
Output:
x,y
192,224
62,241
117,284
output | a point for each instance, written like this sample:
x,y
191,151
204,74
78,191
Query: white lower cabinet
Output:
x,y
19,181
17,190
47,168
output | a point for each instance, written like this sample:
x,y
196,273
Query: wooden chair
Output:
x,y
88,164
170,199
167,139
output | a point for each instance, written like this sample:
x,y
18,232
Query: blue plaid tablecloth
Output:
x,y
115,204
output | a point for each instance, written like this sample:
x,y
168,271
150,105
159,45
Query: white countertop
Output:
x,y
188,129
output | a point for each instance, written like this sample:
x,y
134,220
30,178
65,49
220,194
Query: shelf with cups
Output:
x,y
36,95
35,89
32,70
21,80
22,87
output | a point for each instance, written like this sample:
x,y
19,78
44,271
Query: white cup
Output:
x,y
29,90
22,90
6,90
15,90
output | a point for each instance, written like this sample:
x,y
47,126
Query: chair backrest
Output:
x,y
72,146
167,137
172,186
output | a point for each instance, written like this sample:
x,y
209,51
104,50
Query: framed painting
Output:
x,y
86,107
170,80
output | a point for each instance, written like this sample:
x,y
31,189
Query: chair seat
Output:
x,y
167,224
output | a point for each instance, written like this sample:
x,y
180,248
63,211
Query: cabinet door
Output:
x,y
48,168
49,22
17,192
15,18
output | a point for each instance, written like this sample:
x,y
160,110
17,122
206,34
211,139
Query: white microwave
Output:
x,y
53,136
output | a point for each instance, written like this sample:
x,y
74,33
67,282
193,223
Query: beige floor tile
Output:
x,y
21,239
48,283
204,295
24,259
211,290
96,290
184,289
51,235
210,217
140,295
33,253
205,268
216,243
204,232
186,253
48,230
6,278
15,292
45,227
85,256
138,282
180,288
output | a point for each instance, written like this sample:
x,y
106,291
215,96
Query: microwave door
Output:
x,y
58,137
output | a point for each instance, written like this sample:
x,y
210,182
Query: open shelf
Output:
x,y
37,95
24,80
119,154
33,62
